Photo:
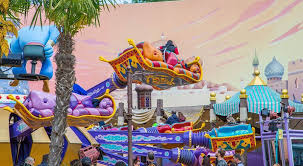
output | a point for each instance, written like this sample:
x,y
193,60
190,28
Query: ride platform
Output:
x,y
37,122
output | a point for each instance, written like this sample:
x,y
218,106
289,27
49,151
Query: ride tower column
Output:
x,y
243,116
212,115
243,106
121,111
285,117
129,115
159,110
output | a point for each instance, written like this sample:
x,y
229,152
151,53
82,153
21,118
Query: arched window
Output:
x,y
296,83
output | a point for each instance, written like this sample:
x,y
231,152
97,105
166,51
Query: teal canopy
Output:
x,y
259,97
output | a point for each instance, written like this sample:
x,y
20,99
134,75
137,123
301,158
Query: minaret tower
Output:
x,y
255,62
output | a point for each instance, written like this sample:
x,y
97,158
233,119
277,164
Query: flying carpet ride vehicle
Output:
x,y
37,110
160,70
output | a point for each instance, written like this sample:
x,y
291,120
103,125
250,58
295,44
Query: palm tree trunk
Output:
x,y
65,78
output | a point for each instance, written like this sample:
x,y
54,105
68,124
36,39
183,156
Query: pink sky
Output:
x,y
223,34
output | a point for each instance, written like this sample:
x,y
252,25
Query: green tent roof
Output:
x,y
259,97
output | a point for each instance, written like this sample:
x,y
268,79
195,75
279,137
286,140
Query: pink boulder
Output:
x,y
46,112
93,111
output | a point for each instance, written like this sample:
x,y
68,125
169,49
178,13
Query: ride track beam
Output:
x,y
138,150
121,137
110,159
23,77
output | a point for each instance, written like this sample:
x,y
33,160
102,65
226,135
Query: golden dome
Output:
x,y
284,94
257,80
227,97
243,94
256,72
212,96
284,91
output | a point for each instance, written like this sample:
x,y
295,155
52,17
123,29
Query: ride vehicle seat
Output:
x,y
34,52
227,131
182,126
163,128
90,152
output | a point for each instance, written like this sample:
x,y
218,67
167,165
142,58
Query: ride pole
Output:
x,y
129,115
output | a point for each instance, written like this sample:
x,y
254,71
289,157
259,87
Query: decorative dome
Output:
x,y
143,87
255,61
274,69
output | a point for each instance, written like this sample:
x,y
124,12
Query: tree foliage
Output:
x,y
71,15
147,1
9,9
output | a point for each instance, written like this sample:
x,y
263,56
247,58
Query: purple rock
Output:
x,y
103,104
28,103
103,112
109,103
41,100
76,100
35,112
69,111
93,111
76,112
110,110
83,112
73,102
46,113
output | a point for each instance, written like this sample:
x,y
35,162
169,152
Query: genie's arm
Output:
x,y
53,35
15,46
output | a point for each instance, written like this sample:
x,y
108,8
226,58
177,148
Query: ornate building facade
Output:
x,y
274,72
144,96
295,79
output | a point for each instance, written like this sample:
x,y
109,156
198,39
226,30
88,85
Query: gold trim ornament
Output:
x,y
190,139
5,27
179,154
4,4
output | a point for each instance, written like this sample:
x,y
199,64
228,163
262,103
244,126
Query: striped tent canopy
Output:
x,y
259,97
298,106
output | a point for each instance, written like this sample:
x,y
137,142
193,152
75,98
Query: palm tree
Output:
x,y
147,1
9,9
69,16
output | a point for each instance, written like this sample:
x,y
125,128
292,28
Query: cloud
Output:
x,y
230,61
231,48
252,11
282,13
95,42
102,52
290,32
197,21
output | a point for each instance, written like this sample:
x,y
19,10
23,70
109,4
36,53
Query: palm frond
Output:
x,y
72,15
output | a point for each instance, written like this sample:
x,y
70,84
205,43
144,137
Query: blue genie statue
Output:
x,y
45,36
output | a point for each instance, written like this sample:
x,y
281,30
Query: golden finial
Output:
x,y
302,98
212,96
284,94
257,80
227,97
131,42
256,72
243,94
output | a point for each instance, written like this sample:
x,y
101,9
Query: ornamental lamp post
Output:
x,y
129,115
